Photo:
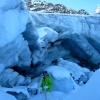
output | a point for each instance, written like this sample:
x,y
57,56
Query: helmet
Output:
x,y
45,72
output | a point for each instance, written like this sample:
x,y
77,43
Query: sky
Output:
x,y
88,5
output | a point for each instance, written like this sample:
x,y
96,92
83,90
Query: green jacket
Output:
x,y
46,81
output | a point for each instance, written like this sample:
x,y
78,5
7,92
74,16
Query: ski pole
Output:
x,y
45,94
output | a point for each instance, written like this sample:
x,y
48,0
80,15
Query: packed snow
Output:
x,y
5,96
87,92
58,72
18,89
91,91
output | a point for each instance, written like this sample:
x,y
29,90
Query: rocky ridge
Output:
x,y
44,7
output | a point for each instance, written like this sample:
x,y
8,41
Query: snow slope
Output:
x,y
91,91
55,95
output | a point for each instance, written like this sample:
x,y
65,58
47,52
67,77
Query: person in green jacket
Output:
x,y
46,84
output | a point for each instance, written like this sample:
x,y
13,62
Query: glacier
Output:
x,y
75,31
65,45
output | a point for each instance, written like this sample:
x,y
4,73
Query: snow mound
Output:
x,y
90,91
73,68
58,72
61,75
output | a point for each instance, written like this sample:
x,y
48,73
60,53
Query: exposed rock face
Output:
x,y
39,6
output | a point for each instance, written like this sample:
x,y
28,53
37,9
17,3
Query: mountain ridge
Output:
x,y
44,7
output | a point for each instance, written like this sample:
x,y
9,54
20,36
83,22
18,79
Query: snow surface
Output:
x,y
18,89
90,91
53,96
58,72
5,96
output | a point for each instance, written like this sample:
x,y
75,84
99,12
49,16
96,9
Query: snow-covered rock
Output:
x,y
97,11
44,7
55,95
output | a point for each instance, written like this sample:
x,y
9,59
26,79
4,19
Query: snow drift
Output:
x,y
91,91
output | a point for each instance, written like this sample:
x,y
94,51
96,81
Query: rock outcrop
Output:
x,y
44,7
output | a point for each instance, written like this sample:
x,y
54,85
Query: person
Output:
x,y
46,84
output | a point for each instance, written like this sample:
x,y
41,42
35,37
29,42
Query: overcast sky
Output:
x,y
88,5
